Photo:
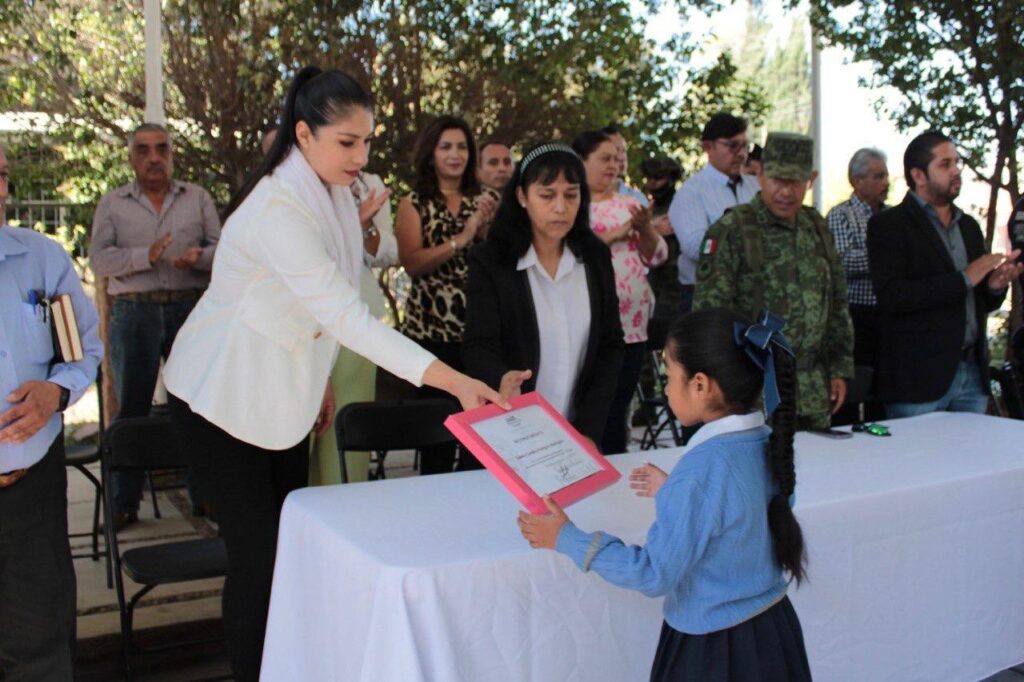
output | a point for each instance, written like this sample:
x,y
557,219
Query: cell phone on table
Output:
x,y
832,433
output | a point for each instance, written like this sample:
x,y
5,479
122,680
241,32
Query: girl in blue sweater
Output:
x,y
725,541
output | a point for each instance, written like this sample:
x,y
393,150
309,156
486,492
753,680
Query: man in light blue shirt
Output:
x,y
706,195
37,579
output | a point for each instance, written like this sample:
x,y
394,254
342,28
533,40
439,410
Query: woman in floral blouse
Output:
x,y
625,225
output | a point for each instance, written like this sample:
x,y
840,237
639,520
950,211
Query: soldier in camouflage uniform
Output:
x,y
774,253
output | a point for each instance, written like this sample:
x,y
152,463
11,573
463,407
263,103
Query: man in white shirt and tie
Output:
x,y
709,193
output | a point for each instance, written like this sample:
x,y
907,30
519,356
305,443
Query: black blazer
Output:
x,y
501,329
921,303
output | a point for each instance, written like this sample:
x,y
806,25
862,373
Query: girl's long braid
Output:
x,y
785,530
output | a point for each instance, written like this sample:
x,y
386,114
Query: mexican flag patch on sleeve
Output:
x,y
708,246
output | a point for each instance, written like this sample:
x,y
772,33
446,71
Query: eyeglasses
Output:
x,y
872,429
734,146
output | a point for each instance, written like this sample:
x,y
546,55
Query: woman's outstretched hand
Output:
x,y
469,392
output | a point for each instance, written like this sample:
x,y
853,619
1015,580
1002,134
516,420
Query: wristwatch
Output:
x,y
65,396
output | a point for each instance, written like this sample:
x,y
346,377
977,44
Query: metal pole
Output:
x,y
154,62
816,118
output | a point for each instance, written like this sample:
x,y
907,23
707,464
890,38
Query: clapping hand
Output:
x,y
647,480
640,218
157,248
541,531
478,223
370,204
663,226
1005,273
188,260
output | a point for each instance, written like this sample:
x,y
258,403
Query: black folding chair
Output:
x,y
653,403
1008,381
383,426
151,444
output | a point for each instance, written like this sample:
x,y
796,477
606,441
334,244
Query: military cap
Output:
x,y
788,156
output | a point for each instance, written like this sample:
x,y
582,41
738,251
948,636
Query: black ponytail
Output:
x,y
315,96
702,341
786,533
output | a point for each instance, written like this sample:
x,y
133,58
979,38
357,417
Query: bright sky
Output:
x,y
849,121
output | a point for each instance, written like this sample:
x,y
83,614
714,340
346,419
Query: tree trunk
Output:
x,y
995,182
102,302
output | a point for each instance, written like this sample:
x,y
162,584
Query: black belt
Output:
x,y
161,296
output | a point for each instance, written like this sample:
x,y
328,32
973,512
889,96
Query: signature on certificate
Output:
x,y
564,474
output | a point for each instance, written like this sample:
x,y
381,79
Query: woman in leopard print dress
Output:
x,y
446,213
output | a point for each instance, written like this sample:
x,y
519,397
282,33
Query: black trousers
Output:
x,y
615,438
244,486
865,354
37,578
441,459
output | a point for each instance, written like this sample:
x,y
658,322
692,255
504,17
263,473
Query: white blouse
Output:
x,y
562,307
254,356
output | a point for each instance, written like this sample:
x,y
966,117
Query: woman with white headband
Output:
x,y
541,308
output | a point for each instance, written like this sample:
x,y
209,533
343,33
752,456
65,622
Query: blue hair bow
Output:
x,y
757,341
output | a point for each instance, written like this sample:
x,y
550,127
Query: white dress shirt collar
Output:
x,y
721,178
565,264
730,424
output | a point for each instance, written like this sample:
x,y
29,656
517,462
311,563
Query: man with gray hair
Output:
x,y
154,240
848,222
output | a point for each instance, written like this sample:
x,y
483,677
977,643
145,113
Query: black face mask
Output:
x,y
664,194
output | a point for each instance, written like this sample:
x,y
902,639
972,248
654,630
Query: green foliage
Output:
x,y
521,70
957,66
716,88
783,73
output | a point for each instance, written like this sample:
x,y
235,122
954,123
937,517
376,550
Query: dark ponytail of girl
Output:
x,y
786,534
315,96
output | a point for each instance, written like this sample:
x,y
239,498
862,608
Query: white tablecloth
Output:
x,y
916,546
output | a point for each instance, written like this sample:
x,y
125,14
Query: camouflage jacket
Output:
x,y
750,260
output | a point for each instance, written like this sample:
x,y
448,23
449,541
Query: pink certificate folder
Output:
x,y
462,426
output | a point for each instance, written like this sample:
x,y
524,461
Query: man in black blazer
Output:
x,y
936,283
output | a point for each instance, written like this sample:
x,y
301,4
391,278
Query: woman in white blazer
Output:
x,y
354,378
248,372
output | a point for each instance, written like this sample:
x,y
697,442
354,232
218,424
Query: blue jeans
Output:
x,y
965,394
140,334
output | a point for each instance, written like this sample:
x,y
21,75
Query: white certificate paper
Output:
x,y
537,448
